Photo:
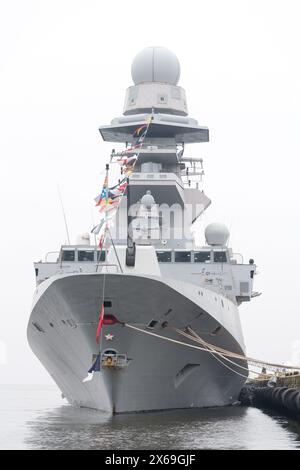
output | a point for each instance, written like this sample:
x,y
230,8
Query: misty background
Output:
x,y
64,69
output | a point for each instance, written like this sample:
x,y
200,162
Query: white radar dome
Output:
x,y
148,200
155,64
216,234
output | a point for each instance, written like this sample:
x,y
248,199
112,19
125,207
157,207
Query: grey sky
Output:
x,y
64,68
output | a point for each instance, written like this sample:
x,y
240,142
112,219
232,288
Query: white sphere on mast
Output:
x,y
155,64
216,234
148,200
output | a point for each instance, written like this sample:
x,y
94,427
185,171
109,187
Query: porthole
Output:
x,y
215,331
152,324
38,327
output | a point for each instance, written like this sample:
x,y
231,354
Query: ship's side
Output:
x,y
163,370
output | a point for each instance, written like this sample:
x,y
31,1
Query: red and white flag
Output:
x,y
100,324
101,241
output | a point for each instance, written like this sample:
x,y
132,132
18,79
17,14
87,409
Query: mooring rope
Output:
x,y
216,352
199,348
195,337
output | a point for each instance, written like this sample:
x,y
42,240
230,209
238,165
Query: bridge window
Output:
x,y
68,255
201,256
182,256
220,257
164,256
85,255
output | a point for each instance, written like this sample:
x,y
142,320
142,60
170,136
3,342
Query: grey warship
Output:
x,y
158,287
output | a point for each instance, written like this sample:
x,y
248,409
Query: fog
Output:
x,y
64,68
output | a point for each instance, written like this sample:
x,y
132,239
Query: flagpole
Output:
x,y
64,214
105,250
95,236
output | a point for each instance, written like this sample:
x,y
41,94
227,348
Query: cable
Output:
x,y
184,344
213,350
112,242
239,356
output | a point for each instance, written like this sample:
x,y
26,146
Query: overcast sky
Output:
x,y
64,68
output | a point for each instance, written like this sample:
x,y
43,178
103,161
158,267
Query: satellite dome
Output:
x,y
148,200
155,64
216,234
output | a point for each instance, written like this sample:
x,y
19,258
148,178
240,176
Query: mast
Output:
x,y
160,168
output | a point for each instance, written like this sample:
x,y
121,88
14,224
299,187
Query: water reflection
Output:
x,y
33,418
222,428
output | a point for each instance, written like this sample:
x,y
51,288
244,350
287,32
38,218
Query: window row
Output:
x,y
191,256
83,255
166,256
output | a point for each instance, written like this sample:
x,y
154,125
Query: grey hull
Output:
x,y
160,374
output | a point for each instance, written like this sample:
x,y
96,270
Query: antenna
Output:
x,y
64,214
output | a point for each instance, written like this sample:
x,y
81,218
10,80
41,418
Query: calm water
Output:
x,y
37,418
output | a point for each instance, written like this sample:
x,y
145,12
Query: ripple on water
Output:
x,y
33,418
